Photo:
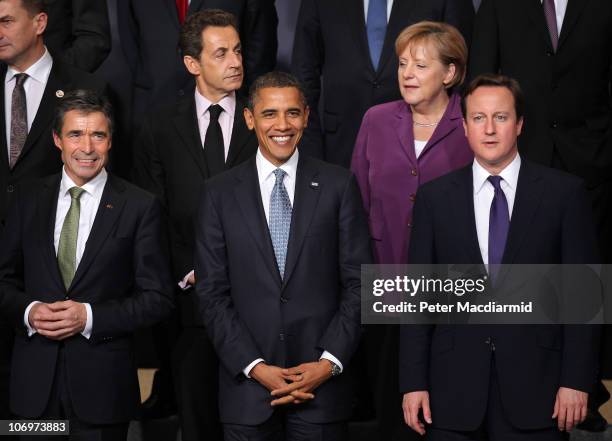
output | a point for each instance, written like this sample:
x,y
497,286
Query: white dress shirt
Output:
x,y
419,146
366,5
90,201
267,179
226,118
483,197
560,8
34,87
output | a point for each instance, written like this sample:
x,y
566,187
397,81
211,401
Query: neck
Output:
x,y
432,110
211,95
496,168
28,59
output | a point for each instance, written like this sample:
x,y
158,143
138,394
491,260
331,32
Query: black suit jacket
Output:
x,y
169,161
78,31
123,274
149,32
331,40
250,312
567,101
551,223
39,157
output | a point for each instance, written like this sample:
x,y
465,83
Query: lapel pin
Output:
x,y
314,185
59,93
109,206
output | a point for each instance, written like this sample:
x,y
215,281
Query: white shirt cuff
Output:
x,y
86,332
247,370
26,322
184,284
326,355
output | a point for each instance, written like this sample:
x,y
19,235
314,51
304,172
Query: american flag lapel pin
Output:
x,y
109,206
314,185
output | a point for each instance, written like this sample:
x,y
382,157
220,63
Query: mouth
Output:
x,y
281,140
490,143
234,77
86,162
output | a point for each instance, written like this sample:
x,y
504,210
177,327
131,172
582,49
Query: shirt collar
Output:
x,y
509,174
39,71
95,187
228,103
265,168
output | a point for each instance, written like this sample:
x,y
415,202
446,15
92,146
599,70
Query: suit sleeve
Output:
x,y
415,340
581,343
344,331
460,14
13,299
307,61
484,51
232,341
360,164
152,299
90,41
259,38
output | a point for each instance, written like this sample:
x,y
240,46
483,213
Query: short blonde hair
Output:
x,y
445,38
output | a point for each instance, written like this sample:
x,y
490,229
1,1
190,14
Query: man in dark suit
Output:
x,y
356,57
73,355
567,127
280,242
78,32
149,32
26,115
499,381
179,148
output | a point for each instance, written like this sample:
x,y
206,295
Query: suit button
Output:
x,y
181,92
10,189
412,197
281,336
66,297
284,299
376,84
409,225
549,53
488,341
553,125
413,172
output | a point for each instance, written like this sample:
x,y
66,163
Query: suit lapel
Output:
x,y
462,201
248,195
397,21
536,13
173,12
47,207
401,124
356,18
240,134
111,206
3,147
526,202
572,14
304,206
447,123
186,123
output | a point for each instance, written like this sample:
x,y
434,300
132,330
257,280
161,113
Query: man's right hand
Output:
x,y
271,377
39,312
411,404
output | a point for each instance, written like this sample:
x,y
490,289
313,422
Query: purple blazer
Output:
x,y
389,173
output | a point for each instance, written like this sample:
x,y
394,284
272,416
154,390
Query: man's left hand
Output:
x,y
570,408
304,378
66,319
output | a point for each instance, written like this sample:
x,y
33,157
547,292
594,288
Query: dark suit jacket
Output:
x,y
551,223
169,161
250,312
567,101
331,40
123,274
78,31
149,32
39,157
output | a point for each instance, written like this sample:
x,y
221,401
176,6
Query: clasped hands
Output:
x,y
58,320
570,409
292,385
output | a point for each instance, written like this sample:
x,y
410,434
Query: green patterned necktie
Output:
x,y
66,250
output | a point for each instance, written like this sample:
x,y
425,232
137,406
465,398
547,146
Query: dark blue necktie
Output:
x,y
499,223
376,26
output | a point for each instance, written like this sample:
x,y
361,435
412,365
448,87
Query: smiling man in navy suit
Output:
x,y
279,245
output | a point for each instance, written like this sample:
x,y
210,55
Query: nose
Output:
x,y
235,59
490,126
86,144
408,71
282,123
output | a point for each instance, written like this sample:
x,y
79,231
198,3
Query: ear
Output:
x,y
519,126
465,130
192,65
249,118
306,113
57,141
450,74
40,22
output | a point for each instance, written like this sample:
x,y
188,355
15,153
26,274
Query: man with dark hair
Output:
x,y
179,148
499,382
73,354
32,83
280,242
150,36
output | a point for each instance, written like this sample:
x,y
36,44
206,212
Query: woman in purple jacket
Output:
x,y
403,144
